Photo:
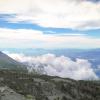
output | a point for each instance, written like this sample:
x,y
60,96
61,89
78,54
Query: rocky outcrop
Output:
x,y
8,94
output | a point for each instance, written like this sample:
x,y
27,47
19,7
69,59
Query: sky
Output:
x,y
50,24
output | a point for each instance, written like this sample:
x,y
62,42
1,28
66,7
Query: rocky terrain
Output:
x,y
8,94
24,86
16,83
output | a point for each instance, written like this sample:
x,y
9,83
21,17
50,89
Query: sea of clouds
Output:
x,y
79,69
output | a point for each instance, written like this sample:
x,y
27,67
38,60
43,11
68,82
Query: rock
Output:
x,y
8,94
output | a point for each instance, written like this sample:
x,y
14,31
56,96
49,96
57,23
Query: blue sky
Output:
x,y
47,30
50,24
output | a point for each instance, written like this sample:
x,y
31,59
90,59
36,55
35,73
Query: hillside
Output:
x,y
17,84
8,63
42,87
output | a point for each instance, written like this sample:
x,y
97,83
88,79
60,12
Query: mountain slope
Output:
x,y
43,87
8,63
8,94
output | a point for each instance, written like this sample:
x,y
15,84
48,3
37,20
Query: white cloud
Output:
x,y
59,66
75,14
32,38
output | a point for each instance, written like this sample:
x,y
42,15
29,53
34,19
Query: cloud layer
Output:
x,y
74,14
62,66
25,38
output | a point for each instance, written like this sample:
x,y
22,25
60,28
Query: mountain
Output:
x,y
8,63
42,87
17,84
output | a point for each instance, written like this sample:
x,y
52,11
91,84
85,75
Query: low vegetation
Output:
x,y
43,87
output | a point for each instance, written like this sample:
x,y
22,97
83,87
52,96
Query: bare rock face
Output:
x,y
8,94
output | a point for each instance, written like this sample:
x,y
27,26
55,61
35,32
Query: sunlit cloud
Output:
x,y
74,14
25,37
62,66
